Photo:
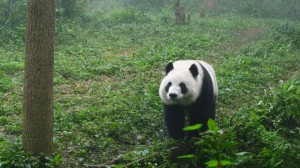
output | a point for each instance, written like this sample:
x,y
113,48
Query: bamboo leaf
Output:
x,y
212,125
192,127
212,163
226,162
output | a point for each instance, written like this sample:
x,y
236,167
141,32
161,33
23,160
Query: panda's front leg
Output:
x,y
199,113
174,119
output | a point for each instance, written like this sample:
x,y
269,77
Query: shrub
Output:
x,y
271,129
288,33
128,15
282,112
215,147
12,156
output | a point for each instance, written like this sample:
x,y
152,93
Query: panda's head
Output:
x,y
181,83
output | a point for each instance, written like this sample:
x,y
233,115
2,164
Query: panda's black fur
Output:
x,y
189,87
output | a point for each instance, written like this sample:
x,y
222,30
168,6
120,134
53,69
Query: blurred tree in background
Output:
x,y
12,12
263,8
84,12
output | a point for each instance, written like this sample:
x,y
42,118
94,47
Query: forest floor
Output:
x,y
107,108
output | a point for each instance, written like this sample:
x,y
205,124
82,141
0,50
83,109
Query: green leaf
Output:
x,y
192,127
212,163
27,166
212,125
228,145
202,142
190,156
118,166
226,162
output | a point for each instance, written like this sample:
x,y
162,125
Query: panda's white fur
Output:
x,y
189,88
182,74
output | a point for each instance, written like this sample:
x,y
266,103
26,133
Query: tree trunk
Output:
x,y
9,13
211,6
37,136
179,13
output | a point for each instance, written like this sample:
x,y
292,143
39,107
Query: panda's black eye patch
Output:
x,y
183,88
168,86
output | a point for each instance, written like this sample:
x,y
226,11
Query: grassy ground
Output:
x,y
106,102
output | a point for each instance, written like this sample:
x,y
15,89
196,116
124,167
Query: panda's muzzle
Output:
x,y
172,96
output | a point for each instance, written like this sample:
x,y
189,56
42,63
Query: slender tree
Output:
x,y
9,12
211,6
179,12
37,136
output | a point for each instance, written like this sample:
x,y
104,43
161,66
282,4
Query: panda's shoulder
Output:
x,y
208,67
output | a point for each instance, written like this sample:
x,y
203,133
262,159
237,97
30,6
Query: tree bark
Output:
x,y
179,13
211,6
37,136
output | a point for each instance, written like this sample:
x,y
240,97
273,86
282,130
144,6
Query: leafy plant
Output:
x,y
128,15
6,84
270,130
283,110
213,147
107,74
13,156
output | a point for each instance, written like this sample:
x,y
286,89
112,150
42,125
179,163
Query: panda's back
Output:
x,y
212,74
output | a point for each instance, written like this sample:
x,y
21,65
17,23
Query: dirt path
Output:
x,y
250,34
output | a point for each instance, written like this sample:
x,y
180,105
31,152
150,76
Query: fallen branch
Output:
x,y
141,160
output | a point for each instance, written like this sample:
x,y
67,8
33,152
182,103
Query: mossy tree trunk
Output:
x,y
37,136
179,13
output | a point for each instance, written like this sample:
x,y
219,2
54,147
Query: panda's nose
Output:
x,y
172,95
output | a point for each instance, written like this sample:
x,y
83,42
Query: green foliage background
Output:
x,y
110,58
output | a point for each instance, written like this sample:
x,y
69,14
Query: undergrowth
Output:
x,y
270,129
107,108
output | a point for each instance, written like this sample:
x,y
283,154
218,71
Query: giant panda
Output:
x,y
189,87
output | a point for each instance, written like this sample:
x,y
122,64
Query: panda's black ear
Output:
x,y
194,70
169,67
